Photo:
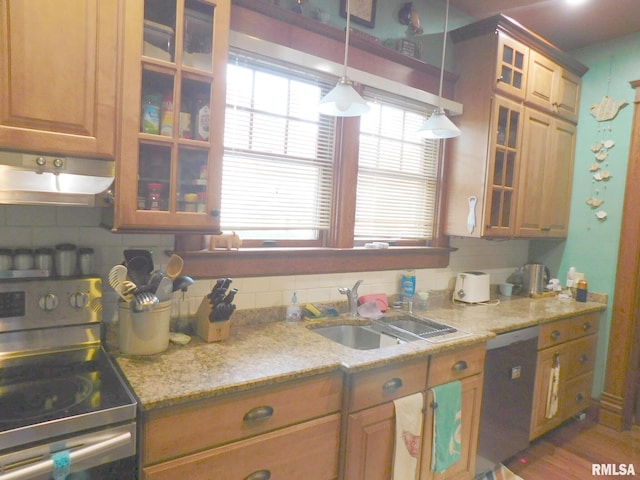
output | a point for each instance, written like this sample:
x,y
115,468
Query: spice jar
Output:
x,y
85,260
154,191
44,259
581,291
66,259
23,259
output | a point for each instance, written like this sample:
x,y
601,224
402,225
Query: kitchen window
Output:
x,y
278,168
397,172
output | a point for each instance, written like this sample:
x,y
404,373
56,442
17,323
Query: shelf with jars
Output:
x,y
172,116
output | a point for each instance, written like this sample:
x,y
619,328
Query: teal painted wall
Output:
x,y
592,245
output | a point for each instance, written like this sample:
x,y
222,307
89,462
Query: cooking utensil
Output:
x,y
144,301
174,266
138,252
163,292
129,289
182,283
117,277
535,277
139,269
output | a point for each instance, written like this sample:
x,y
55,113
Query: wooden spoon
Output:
x,y
174,266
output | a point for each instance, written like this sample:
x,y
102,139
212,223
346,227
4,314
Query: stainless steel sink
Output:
x,y
387,331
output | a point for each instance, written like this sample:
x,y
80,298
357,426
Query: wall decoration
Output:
x,y
606,109
409,16
362,11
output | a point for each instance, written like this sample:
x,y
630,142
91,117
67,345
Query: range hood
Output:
x,y
35,179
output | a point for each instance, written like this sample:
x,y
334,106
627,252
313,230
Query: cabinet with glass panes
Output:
x,y
172,115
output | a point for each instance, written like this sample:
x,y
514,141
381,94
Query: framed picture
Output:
x,y
362,11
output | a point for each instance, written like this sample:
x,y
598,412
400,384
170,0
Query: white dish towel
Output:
x,y
552,392
409,419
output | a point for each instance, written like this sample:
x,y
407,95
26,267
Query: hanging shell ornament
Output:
x,y
596,147
601,156
606,109
608,144
601,215
606,175
594,167
594,202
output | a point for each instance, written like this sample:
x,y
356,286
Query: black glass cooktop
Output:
x,y
68,390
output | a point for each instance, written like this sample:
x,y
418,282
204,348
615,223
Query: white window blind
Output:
x,y
397,171
278,161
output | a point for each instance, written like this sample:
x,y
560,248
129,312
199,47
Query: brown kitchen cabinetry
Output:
x,y
286,431
370,433
569,343
465,365
500,168
546,175
58,62
170,148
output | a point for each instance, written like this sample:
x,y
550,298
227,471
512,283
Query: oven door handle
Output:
x,y
46,466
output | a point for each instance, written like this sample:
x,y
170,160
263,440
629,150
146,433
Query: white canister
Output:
x,y
66,258
6,259
23,259
144,333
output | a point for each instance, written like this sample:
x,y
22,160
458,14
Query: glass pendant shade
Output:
x,y
438,126
343,101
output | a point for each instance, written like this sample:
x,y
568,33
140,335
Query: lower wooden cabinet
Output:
x,y
569,344
306,451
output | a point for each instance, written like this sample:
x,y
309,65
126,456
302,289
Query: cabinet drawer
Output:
x,y
577,395
585,324
308,450
554,333
456,364
385,384
173,432
581,356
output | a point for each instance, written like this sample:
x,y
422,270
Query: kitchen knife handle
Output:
x,y
259,475
259,413
393,384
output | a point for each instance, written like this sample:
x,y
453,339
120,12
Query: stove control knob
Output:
x,y
48,302
79,300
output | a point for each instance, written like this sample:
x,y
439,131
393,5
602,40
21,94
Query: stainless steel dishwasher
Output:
x,y
507,396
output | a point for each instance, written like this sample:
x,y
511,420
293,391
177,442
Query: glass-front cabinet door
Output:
x,y
512,65
504,153
172,126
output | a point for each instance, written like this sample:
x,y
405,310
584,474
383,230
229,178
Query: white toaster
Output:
x,y
472,287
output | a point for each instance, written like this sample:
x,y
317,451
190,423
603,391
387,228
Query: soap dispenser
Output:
x,y
294,314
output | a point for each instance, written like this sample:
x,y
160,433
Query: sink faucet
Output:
x,y
352,296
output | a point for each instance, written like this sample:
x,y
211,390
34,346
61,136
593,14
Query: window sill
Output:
x,y
248,262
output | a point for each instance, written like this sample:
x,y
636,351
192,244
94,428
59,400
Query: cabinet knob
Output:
x,y
555,334
500,79
579,397
459,366
546,229
259,413
583,358
393,384
259,475
586,326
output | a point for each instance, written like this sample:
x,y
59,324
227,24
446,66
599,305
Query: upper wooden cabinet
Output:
x,y
58,61
171,127
510,173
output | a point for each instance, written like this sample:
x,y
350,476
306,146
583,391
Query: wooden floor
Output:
x,y
570,451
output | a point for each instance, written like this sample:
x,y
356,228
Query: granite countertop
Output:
x,y
276,352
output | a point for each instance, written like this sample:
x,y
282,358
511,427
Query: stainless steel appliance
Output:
x,y
507,397
64,408
535,277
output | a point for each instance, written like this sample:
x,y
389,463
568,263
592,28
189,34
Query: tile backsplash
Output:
x,y
35,226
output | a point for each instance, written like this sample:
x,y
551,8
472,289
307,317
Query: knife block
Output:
x,y
210,331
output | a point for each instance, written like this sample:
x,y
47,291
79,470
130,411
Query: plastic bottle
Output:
x,y
166,117
581,291
407,289
294,313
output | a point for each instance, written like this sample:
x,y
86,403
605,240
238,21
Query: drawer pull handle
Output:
x,y
393,384
555,334
460,366
579,397
583,358
259,475
258,413
586,326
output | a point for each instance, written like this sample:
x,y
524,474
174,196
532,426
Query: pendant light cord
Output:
x,y
444,47
346,43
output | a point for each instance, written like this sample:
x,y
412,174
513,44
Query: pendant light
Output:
x,y
343,100
438,125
